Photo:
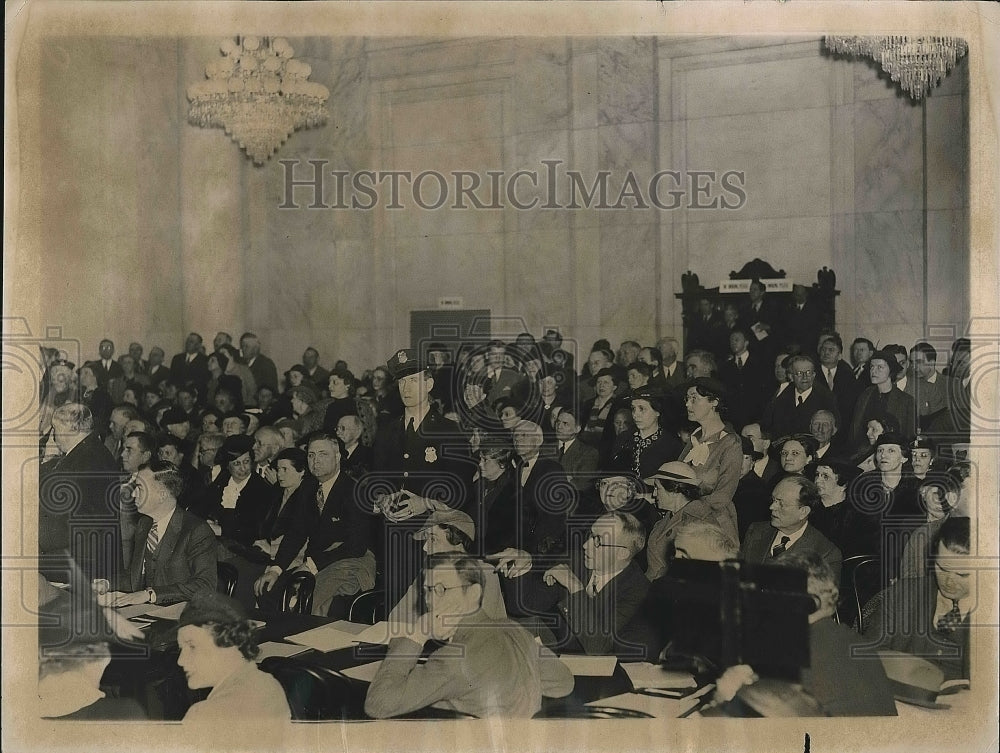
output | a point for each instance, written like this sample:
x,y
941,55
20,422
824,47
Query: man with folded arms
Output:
x,y
487,667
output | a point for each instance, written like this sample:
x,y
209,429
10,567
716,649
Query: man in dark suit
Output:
x,y
191,365
595,610
335,533
500,381
930,616
837,374
791,411
315,373
420,463
173,551
578,460
801,321
704,328
764,467
792,500
156,372
861,351
747,378
106,365
76,495
263,369
358,460
761,307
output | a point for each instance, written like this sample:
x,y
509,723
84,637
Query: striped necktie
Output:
x,y
152,539
320,499
781,547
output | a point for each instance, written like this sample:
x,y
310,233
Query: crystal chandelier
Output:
x,y
259,94
916,63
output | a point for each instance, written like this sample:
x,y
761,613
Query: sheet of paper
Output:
x,y
173,612
662,708
646,675
134,610
323,638
272,648
377,633
591,666
363,672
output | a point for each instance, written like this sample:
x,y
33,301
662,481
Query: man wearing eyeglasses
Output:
x,y
791,411
487,667
598,607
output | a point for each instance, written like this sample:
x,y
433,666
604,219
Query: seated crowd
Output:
x,y
496,496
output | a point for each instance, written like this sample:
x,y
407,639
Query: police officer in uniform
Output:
x,y
420,463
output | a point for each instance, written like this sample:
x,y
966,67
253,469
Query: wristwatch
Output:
x,y
150,595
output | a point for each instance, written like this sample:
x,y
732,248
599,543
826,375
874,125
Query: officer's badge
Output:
x,y
401,356
430,455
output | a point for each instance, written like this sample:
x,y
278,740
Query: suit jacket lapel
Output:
x,y
169,538
139,551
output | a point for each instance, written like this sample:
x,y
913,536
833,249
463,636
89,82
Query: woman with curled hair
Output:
x,y
218,648
834,518
94,394
795,453
494,505
651,444
713,450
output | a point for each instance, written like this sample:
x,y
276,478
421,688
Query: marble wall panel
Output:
x,y
947,268
540,276
629,282
947,152
888,279
541,85
785,158
799,245
628,151
887,156
768,86
446,119
626,75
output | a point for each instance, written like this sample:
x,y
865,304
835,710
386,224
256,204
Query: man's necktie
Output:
x,y
781,547
829,378
320,499
410,431
951,619
152,540
798,399
562,450
592,586
739,363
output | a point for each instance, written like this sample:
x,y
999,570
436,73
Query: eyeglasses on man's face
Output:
x,y
439,589
598,542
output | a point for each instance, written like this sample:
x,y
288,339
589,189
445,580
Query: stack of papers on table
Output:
x,y
341,634
590,666
658,706
646,675
272,648
173,612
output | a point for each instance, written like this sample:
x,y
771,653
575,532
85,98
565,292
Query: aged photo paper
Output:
x,y
116,227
